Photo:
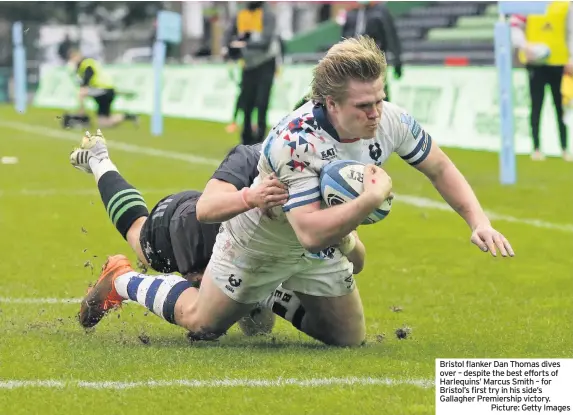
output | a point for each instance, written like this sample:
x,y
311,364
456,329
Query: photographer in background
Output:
x,y
251,38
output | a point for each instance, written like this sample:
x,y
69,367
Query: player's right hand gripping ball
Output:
x,y
342,181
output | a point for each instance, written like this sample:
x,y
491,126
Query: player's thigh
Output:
x,y
212,313
328,292
247,276
247,283
336,320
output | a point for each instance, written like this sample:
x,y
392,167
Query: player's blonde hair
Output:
x,y
358,59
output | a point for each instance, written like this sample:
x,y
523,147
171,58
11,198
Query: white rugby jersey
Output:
x,y
297,149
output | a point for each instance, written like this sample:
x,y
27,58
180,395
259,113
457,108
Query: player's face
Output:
x,y
359,114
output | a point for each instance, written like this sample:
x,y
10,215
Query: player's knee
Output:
x,y
346,338
204,335
207,332
199,327
347,333
348,342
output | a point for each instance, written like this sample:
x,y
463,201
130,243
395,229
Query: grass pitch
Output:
x,y
422,273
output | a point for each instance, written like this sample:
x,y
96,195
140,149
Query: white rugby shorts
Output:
x,y
248,276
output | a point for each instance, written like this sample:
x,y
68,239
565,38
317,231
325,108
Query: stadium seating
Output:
x,y
454,30
430,33
461,33
491,10
422,22
447,9
328,33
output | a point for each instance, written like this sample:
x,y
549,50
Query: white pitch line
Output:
x,y
407,199
437,205
130,148
216,383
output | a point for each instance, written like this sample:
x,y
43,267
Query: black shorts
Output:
x,y
104,103
173,240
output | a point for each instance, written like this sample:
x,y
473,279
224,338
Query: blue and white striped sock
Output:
x,y
158,294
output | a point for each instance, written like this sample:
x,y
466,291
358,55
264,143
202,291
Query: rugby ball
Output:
x,y
342,181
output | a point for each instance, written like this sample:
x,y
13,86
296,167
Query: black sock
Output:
x,y
123,202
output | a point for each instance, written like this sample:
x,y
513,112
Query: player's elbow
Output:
x,y
312,243
309,241
308,227
358,267
358,262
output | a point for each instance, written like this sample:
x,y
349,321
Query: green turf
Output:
x,y
457,301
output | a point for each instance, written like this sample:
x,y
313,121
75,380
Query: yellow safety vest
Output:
x,y
100,79
250,21
550,29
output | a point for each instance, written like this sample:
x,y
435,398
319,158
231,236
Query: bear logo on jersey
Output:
x,y
375,153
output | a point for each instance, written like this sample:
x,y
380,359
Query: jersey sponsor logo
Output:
x,y
375,153
282,296
425,141
349,281
328,154
415,128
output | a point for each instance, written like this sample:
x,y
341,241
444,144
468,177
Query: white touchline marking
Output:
x,y
216,383
131,148
434,204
